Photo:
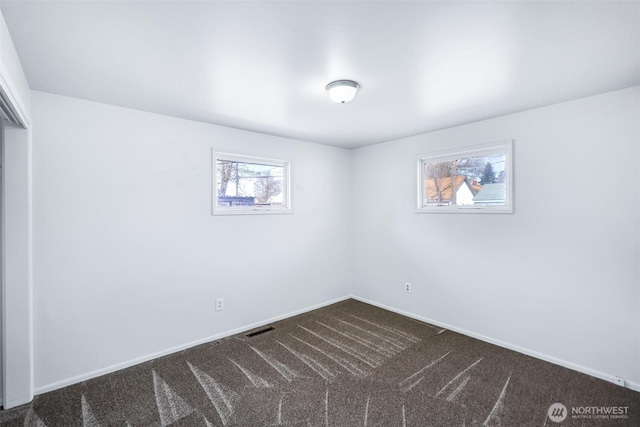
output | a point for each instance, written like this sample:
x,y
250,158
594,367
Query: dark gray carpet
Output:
x,y
349,364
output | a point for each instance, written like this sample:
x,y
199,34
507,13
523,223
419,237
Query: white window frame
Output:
x,y
251,210
498,147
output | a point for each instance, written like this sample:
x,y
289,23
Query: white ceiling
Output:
x,y
263,66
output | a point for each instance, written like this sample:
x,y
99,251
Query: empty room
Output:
x,y
320,213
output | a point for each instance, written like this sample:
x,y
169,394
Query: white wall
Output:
x,y
128,260
558,278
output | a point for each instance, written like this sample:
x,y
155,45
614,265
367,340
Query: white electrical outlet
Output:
x,y
219,304
407,287
619,381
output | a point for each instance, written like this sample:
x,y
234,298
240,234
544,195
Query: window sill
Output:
x,y
223,212
466,210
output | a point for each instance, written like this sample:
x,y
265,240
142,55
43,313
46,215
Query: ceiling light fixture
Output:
x,y
342,91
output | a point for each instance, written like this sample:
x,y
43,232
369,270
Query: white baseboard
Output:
x,y
17,402
118,366
597,374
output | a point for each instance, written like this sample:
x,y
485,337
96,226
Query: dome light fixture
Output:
x,y
342,91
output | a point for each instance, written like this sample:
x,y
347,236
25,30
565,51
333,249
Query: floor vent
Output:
x,y
260,331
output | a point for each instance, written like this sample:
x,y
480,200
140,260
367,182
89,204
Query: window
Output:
x,y
250,185
476,179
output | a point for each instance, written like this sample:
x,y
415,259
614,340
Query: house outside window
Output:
x,y
476,179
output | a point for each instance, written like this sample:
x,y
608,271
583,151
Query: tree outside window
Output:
x,y
250,184
477,178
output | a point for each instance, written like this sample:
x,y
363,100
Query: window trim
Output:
x,y
505,146
250,210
